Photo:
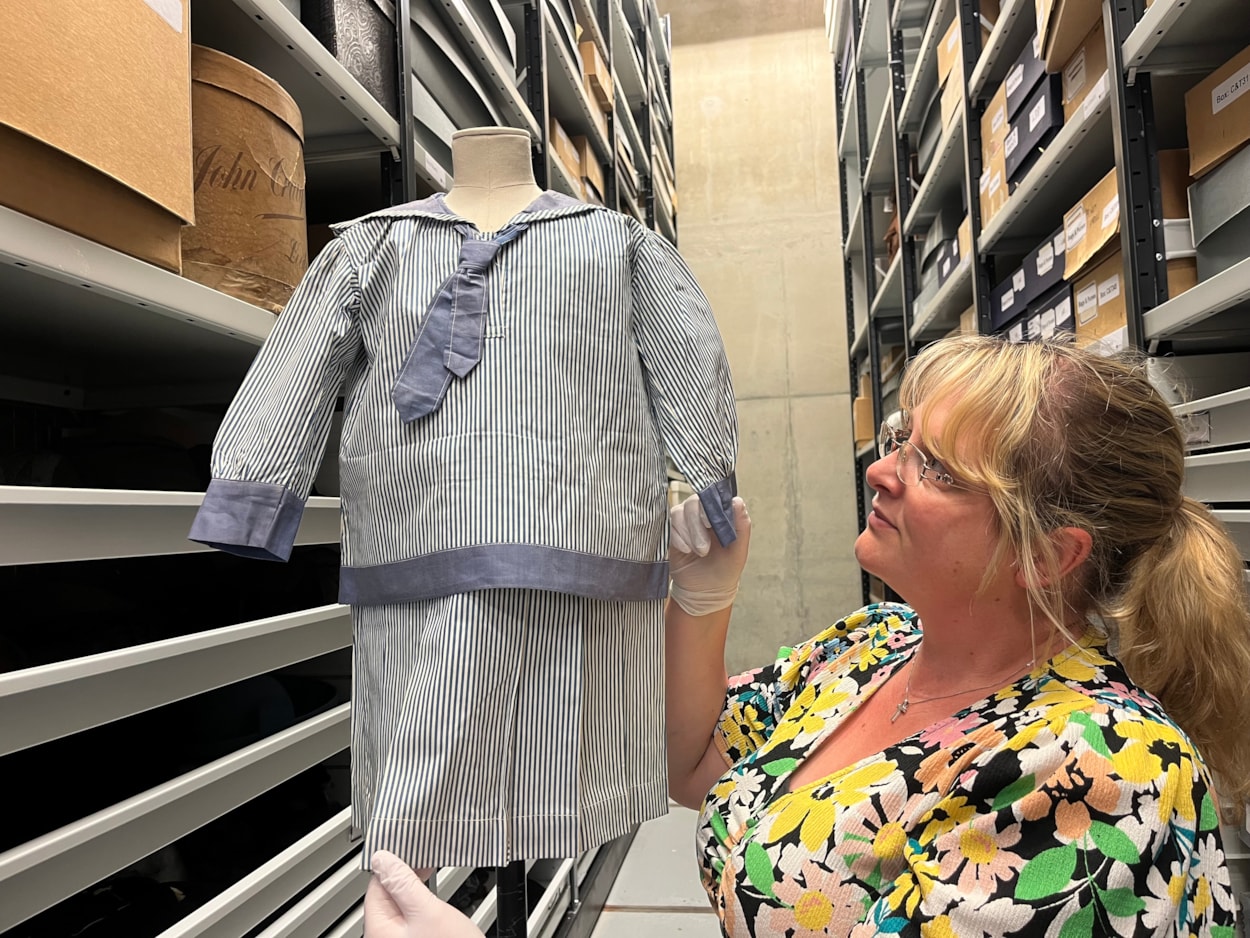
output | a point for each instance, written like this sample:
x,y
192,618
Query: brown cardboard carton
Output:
x,y
1182,275
1091,225
250,237
968,321
1217,114
950,49
953,95
597,75
964,237
993,186
1174,182
994,126
95,122
564,149
1099,299
592,171
861,421
1062,25
1085,76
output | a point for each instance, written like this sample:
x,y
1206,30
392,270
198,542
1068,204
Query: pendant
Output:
x,y
900,710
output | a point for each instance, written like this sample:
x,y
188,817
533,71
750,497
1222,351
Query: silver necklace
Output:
x,y
906,702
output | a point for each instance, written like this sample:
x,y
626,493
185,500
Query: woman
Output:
x,y
978,762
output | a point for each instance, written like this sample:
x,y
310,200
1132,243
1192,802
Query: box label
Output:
x,y
1013,140
1017,281
168,10
996,182
1033,328
1061,243
1229,91
1074,76
1016,333
1087,303
1036,115
985,180
950,43
1015,78
946,266
1197,427
1111,212
1009,300
996,122
1074,227
1045,260
1048,323
1097,95
1108,290
1063,311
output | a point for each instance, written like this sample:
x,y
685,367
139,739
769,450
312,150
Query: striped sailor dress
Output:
x,y
509,400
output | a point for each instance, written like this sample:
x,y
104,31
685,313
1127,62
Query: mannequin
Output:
x,y
494,177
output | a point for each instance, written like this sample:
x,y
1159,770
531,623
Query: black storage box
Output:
x,y
1038,121
361,35
1022,77
1007,300
1043,267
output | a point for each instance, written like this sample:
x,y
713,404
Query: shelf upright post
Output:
x,y
1137,161
902,184
861,134
534,27
969,14
403,172
643,38
611,193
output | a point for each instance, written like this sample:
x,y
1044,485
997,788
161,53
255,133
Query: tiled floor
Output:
x,y
657,891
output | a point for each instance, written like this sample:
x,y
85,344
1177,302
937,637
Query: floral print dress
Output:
x,y
1064,805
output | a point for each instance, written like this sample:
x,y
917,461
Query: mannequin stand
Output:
x,y
512,907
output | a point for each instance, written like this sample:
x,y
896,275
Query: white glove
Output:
x,y
704,574
399,905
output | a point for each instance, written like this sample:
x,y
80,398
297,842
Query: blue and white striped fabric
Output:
x,y
542,468
504,554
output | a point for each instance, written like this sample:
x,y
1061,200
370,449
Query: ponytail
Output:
x,y
1184,635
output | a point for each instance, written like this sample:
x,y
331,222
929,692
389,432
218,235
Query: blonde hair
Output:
x,y
1061,437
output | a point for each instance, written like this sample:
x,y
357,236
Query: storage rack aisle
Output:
x,y
1101,156
176,720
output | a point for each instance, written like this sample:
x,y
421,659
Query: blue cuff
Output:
x,y
250,519
718,505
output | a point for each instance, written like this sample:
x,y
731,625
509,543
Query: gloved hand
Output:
x,y
704,574
399,905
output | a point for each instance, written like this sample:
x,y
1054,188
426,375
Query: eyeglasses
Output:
x,y
911,464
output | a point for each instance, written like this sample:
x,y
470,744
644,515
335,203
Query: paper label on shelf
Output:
x,y
996,182
436,172
1061,243
1013,141
1074,227
1036,115
1074,76
1197,429
1009,300
1045,259
996,122
1097,95
168,10
1111,212
1016,333
1017,281
1048,323
1229,91
1108,290
1014,79
1087,303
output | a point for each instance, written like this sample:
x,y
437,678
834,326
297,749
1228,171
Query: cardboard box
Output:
x,y
1084,74
993,186
1100,299
1182,275
592,170
994,125
1174,182
565,150
1091,225
950,49
1062,25
953,95
1217,114
1034,127
968,321
597,75
95,122
1023,76
861,421
1043,266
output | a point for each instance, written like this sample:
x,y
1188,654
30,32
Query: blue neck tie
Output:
x,y
450,341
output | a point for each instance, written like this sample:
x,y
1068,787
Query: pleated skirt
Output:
x,y
505,724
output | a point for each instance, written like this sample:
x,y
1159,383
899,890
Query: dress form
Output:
x,y
493,175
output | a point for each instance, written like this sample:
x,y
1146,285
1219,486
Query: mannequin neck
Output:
x,y
494,178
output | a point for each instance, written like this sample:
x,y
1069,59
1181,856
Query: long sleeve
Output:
x,y
687,375
274,434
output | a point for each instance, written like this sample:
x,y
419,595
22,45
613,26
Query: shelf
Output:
x,y
323,905
96,318
1220,420
569,102
1218,477
909,13
874,34
943,312
889,298
633,81
497,75
848,126
625,121
923,78
944,180
1015,27
880,173
41,872
59,525
1187,35
1195,311
855,239
561,180
1076,159
860,343
68,697
585,12
1238,524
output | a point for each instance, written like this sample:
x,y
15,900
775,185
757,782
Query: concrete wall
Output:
x,y
758,222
